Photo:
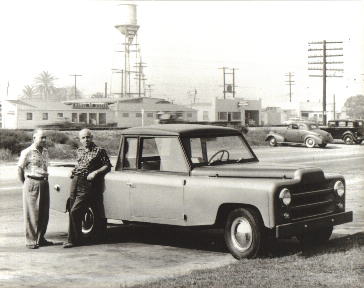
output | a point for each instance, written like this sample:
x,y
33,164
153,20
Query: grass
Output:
x,y
339,263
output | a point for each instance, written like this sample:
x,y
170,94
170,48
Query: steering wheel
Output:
x,y
222,152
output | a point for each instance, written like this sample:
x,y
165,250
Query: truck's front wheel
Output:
x,y
243,233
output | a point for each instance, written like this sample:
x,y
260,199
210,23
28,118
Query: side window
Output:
x,y
162,154
294,126
130,153
302,127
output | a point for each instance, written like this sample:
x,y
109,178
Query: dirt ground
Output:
x,y
135,254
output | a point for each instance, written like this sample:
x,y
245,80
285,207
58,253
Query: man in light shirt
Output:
x,y
33,173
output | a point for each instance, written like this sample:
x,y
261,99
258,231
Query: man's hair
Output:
x,y
85,130
36,131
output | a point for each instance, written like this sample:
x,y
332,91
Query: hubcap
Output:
x,y
310,142
88,221
241,234
348,140
272,141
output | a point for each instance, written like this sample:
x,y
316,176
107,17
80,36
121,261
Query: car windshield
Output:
x,y
217,150
313,126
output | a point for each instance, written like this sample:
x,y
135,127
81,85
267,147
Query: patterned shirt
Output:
x,y
33,162
90,159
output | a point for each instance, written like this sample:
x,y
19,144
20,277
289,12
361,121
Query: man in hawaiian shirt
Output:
x,y
92,164
33,173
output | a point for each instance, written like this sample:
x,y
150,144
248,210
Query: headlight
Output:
x,y
339,188
285,196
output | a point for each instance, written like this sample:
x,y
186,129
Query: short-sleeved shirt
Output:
x,y
34,162
90,159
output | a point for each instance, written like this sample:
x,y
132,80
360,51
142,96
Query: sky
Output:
x,y
184,43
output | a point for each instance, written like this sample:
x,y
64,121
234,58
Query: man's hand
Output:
x,y
91,176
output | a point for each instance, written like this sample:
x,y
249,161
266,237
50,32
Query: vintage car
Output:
x,y
350,131
307,133
208,176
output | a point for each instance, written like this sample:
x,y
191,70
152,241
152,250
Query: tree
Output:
x,y
354,106
29,92
45,85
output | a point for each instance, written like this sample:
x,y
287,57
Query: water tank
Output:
x,y
125,14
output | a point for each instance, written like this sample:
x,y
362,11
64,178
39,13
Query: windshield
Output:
x,y
217,150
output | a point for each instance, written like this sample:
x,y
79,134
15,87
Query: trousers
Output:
x,y
36,209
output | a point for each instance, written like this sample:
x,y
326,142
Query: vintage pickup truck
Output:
x,y
208,176
350,131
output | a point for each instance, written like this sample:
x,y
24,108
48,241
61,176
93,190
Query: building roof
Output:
x,y
181,130
91,100
152,107
40,105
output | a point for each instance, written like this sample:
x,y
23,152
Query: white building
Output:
x,y
230,110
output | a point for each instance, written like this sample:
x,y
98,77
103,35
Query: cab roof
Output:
x,y
180,130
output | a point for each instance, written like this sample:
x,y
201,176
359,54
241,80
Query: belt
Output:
x,y
39,178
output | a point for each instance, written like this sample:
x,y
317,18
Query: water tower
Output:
x,y
127,25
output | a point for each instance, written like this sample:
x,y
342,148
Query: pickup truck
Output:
x,y
350,131
209,177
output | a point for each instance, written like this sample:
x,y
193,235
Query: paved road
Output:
x,y
136,254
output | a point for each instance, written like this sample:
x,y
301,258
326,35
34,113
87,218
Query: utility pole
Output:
x,y
75,75
334,106
228,87
105,89
149,89
140,77
324,68
290,82
121,71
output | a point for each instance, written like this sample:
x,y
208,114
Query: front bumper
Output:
x,y
304,226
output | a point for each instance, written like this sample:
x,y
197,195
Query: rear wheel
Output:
x,y
93,226
315,237
310,142
348,139
243,233
272,141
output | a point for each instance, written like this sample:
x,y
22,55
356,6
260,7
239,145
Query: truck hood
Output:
x,y
259,170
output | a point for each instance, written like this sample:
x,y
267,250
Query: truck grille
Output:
x,y
312,203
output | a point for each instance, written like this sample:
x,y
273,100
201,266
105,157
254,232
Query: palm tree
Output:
x,y
45,84
29,92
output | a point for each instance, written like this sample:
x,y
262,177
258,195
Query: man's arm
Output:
x,y
103,170
21,176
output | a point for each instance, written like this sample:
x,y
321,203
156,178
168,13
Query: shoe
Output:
x,y
69,245
45,243
32,246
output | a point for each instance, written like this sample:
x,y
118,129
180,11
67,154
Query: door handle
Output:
x,y
131,185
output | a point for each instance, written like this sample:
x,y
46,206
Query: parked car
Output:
x,y
208,176
350,131
307,133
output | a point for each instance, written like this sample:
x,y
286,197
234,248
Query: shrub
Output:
x,y
14,140
61,151
6,155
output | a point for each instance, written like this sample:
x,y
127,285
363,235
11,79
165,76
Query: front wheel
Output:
x,y
348,139
310,142
243,233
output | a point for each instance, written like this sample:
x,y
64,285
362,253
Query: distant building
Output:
x,y
247,112
28,114
277,115
313,111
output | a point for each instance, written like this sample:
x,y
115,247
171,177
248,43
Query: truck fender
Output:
x,y
278,137
348,133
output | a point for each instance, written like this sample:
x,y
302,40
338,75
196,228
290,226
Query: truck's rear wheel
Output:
x,y
243,233
93,226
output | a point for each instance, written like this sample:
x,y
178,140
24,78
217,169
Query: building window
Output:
x,y
60,115
138,114
92,119
29,116
304,114
205,115
102,118
74,117
189,115
222,116
236,115
150,115
45,116
82,118
126,115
